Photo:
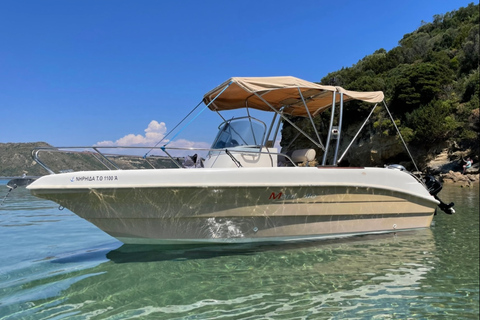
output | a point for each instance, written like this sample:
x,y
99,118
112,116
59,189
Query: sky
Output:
x,y
89,72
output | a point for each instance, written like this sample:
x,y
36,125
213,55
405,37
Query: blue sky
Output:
x,y
76,73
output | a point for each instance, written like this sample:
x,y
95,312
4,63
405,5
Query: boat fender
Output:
x,y
302,155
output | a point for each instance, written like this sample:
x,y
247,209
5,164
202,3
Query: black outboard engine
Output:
x,y
434,187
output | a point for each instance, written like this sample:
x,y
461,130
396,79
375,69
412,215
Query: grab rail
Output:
x,y
107,162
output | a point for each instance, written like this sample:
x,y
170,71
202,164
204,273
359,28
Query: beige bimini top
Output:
x,y
260,92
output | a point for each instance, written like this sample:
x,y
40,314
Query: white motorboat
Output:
x,y
244,189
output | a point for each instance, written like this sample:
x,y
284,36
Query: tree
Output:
x,y
418,84
432,122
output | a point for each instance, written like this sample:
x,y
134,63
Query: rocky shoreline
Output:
x,y
466,180
448,168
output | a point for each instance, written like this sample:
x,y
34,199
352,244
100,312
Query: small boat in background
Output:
x,y
12,184
244,189
20,182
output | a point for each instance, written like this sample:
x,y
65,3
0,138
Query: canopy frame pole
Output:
x,y
298,133
293,140
400,135
330,127
289,121
339,135
168,133
356,135
310,116
276,130
270,129
251,127
266,138
206,106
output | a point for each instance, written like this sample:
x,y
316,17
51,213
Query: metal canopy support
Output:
x,y
163,148
340,120
329,137
270,130
289,121
394,124
250,121
400,135
310,116
356,135
276,130
206,106
168,133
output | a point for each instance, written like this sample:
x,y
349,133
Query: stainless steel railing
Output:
x,y
81,157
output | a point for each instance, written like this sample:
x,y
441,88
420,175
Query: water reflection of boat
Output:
x,y
336,277
245,189
128,253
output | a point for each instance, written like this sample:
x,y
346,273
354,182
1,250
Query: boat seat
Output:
x,y
299,156
302,155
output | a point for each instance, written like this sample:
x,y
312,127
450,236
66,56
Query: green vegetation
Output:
x,y
431,85
431,81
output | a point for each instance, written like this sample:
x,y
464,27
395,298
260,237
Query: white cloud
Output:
x,y
182,143
154,133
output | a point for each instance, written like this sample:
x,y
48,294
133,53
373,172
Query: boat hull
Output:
x,y
290,204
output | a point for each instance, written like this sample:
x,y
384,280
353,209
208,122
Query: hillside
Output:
x,y
431,85
16,160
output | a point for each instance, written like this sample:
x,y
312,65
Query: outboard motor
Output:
x,y
434,187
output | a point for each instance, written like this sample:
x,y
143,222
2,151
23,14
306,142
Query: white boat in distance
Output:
x,y
245,190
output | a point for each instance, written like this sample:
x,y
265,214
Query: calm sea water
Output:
x,y
54,265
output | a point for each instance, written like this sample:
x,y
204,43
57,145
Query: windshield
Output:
x,y
240,132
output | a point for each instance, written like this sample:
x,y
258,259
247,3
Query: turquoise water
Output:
x,y
55,265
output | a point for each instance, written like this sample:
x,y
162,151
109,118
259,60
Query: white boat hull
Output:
x,y
171,206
